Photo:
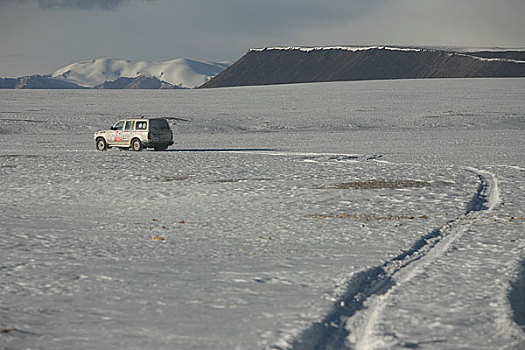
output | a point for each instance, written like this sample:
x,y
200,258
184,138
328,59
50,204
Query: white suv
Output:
x,y
136,134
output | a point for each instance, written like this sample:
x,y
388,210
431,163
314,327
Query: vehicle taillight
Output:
x,y
149,136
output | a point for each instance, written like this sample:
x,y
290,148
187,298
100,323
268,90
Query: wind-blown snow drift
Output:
x,y
180,72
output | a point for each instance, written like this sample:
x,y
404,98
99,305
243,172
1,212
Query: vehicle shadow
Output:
x,y
222,150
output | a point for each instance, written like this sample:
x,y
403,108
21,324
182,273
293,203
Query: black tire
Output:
x,y
101,144
136,145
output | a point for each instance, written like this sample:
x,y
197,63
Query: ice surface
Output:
x,y
273,211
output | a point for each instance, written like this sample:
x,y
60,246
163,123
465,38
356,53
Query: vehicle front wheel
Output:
x,y
136,145
101,144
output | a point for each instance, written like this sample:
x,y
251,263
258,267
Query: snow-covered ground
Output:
x,y
180,72
354,215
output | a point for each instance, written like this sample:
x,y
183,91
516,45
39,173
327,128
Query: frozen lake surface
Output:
x,y
353,215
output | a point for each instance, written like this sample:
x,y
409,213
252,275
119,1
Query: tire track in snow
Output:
x,y
308,155
350,324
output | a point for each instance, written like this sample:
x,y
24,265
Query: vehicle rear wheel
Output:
x,y
101,144
136,145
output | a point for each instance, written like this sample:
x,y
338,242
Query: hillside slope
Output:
x,y
301,65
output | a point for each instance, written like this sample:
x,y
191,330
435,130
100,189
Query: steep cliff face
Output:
x,y
301,65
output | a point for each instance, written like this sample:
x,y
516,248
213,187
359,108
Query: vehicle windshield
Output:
x,y
158,125
119,125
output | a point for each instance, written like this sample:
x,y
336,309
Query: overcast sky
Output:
x,y
40,36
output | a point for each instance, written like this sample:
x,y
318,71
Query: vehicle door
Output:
x,y
115,137
127,133
141,128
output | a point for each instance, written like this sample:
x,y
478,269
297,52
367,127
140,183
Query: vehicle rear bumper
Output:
x,y
157,143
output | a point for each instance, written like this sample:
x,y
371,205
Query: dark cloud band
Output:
x,y
74,4
80,4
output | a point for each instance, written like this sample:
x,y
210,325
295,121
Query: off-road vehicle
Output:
x,y
136,134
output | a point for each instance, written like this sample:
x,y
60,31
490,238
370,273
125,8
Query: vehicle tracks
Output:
x,y
350,323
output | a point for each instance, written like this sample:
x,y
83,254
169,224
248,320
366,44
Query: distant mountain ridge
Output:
x,y
108,73
284,65
181,72
36,82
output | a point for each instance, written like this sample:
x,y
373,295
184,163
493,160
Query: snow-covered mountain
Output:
x,y
179,72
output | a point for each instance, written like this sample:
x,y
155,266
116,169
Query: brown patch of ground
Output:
x,y
230,180
20,120
14,156
378,184
239,180
172,178
369,217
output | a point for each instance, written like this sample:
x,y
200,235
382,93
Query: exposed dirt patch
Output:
x,y
21,120
8,330
369,217
172,178
378,184
240,180
15,330
14,156
230,180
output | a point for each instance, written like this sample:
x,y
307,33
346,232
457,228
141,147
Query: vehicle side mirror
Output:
x,y
112,128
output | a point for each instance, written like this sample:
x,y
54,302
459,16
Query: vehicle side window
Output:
x,y
119,125
159,124
129,125
141,125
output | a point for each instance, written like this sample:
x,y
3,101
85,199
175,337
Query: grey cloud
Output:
x,y
74,4
80,4
270,16
43,38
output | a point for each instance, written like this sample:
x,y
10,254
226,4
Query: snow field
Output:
x,y
233,219
272,200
